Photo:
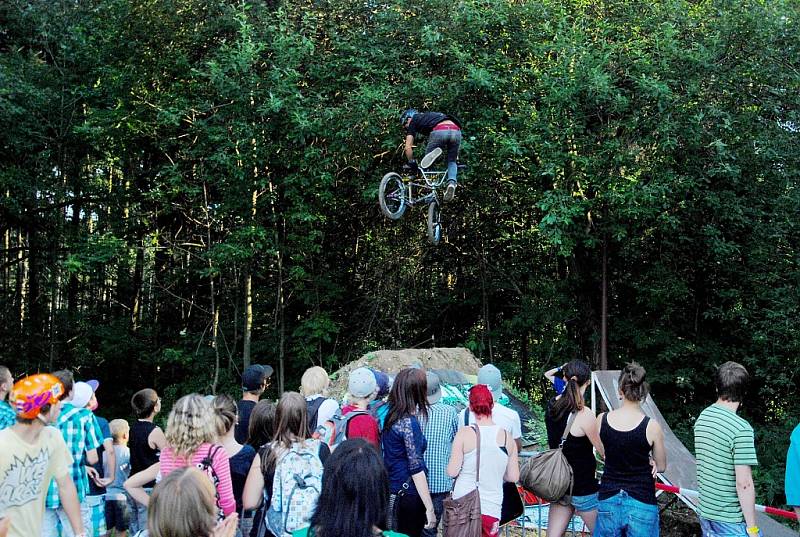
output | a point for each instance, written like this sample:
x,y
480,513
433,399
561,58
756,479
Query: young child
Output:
x,y
116,499
362,387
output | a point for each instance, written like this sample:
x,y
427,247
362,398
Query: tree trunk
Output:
x,y
281,322
138,275
604,310
525,365
248,296
212,290
22,280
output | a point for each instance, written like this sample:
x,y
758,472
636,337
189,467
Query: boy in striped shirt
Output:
x,y
725,451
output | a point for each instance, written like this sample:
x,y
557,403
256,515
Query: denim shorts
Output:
x,y
622,515
715,528
582,504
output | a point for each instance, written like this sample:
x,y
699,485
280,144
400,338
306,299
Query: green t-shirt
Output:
x,y
722,440
304,533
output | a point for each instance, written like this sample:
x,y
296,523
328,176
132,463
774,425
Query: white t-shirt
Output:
x,y
25,473
326,410
505,417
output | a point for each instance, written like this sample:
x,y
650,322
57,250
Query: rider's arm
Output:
x,y
409,151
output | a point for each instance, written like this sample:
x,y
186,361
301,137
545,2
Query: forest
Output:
x,y
189,186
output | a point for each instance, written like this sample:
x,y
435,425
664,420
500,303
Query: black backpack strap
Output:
x,y
208,460
313,413
466,417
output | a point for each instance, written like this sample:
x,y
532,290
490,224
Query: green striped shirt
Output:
x,y
722,440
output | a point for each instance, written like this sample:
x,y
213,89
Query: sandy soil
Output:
x,y
392,361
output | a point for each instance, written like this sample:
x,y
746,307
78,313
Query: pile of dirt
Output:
x,y
392,361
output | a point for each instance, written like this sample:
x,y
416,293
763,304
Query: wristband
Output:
x,y
753,530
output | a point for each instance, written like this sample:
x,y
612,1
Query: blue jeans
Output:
x,y
138,515
715,528
438,508
621,515
450,142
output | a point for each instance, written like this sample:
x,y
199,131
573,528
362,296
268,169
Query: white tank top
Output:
x,y
493,468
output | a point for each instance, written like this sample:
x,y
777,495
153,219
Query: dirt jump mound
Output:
x,y
456,360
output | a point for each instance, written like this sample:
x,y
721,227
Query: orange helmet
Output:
x,y
31,394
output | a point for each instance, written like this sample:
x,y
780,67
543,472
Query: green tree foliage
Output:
x,y
159,159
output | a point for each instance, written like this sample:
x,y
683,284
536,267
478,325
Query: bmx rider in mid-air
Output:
x,y
443,131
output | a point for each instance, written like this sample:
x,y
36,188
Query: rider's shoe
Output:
x,y
450,192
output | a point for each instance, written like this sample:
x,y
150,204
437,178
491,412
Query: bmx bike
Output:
x,y
397,192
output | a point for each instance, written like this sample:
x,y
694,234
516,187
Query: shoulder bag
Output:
x,y
462,516
549,475
513,507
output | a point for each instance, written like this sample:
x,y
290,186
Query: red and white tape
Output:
x,y
762,508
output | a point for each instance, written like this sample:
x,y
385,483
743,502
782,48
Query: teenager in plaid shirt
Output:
x,y
82,435
439,429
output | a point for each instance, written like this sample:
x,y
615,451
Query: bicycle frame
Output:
x,y
432,181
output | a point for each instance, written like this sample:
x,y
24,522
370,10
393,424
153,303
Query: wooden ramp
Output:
x,y
681,464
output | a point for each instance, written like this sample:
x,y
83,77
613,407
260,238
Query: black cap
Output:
x,y
253,377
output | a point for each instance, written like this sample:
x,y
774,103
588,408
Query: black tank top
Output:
x,y
627,463
578,452
142,455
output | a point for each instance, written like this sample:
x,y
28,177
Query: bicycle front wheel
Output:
x,y
434,222
392,196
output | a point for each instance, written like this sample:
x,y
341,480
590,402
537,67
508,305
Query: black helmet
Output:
x,y
405,116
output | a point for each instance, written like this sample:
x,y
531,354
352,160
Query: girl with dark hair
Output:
x,y
583,435
291,437
351,504
498,460
411,507
262,424
627,489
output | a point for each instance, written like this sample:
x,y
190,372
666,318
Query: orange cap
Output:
x,y
31,394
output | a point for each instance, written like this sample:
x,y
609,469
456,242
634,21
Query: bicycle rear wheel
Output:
x,y
392,196
434,222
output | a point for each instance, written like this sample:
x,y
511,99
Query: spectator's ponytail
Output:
x,y
576,374
632,383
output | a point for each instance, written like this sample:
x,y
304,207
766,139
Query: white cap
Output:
x,y
81,394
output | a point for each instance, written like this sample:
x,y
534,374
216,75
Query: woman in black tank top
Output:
x,y
627,490
577,449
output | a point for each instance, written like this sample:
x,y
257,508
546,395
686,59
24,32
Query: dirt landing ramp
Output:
x,y
681,464
456,359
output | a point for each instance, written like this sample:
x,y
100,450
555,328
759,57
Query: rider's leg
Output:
x,y
454,142
453,145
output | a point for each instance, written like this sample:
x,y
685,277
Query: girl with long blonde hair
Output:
x,y
192,440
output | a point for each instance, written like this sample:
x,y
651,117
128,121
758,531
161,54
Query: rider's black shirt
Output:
x,y
424,122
